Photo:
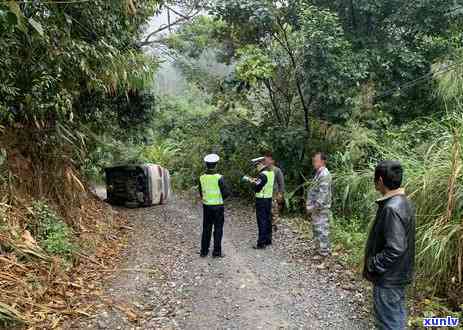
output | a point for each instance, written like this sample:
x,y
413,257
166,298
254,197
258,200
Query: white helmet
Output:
x,y
257,160
212,159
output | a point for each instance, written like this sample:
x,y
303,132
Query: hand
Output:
x,y
198,199
248,179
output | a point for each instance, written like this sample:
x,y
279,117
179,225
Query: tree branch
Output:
x,y
176,12
147,40
298,82
272,99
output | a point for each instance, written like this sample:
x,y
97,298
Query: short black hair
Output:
x,y
322,155
268,153
391,172
211,166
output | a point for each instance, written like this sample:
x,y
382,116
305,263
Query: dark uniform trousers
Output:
x,y
264,220
213,218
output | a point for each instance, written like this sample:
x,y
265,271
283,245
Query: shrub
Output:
x,y
161,153
53,235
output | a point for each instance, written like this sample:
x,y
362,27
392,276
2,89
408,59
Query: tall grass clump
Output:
x,y
437,191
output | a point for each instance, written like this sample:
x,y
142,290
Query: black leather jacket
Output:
x,y
390,249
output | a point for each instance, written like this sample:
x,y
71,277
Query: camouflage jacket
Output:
x,y
319,196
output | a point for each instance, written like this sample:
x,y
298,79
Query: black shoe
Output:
x,y
268,243
220,255
259,247
203,255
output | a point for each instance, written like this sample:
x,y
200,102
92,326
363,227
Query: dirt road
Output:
x,y
163,283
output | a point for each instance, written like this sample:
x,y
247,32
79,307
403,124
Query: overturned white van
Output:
x,y
137,185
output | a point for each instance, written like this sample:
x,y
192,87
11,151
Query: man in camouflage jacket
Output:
x,y
319,204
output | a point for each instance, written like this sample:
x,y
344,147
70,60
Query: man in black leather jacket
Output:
x,y
390,249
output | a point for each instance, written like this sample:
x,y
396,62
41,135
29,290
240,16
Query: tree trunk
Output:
x,y
272,99
286,45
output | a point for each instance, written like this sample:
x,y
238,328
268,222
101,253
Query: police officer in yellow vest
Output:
x,y
263,187
213,191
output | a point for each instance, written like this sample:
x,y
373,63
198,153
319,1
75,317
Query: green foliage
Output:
x,y
254,65
353,190
70,71
163,154
336,46
449,74
432,157
168,139
327,56
249,21
349,236
398,42
124,117
107,151
54,236
293,58
201,34
53,51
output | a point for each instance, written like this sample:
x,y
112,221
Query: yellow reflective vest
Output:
x,y
210,189
267,190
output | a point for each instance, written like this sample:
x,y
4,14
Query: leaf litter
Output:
x,y
38,290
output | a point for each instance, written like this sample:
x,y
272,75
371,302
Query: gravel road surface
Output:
x,y
164,284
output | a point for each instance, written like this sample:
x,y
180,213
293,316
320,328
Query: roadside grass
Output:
x,y
348,237
431,307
